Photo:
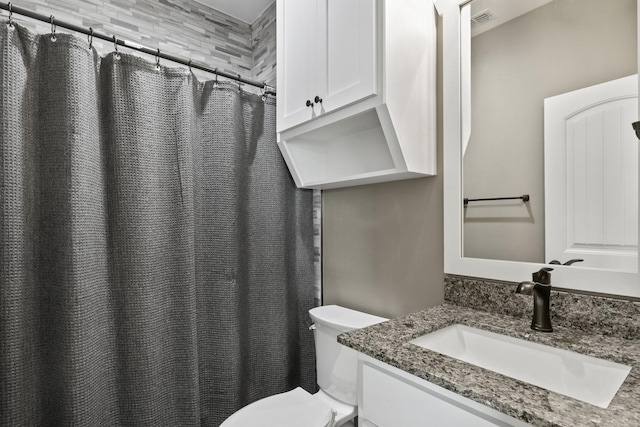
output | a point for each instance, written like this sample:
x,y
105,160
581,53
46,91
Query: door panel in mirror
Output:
x,y
591,168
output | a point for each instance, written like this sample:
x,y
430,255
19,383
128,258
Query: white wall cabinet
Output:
x,y
327,57
356,90
390,397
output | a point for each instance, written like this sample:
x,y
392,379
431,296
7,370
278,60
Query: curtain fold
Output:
x,y
157,259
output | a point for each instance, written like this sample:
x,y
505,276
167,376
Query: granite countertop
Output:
x,y
388,342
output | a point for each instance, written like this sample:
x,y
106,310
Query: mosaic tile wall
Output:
x,y
183,28
264,46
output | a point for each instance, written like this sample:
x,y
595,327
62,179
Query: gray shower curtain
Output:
x,y
156,257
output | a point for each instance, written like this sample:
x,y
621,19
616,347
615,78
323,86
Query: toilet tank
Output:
x,y
337,365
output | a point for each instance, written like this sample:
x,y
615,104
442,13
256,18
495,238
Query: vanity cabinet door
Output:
x,y
326,57
393,398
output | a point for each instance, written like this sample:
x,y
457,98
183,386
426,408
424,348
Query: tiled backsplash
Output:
x,y
607,316
183,28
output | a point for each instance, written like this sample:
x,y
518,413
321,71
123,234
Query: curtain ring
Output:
x,y
158,59
264,91
190,66
215,83
10,23
53,28
90,37
115,46
239,82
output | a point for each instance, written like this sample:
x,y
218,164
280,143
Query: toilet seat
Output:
x,y
294,408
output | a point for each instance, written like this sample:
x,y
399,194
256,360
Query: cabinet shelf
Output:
x,y
352,151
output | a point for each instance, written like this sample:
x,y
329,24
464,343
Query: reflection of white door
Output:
x,y
591,175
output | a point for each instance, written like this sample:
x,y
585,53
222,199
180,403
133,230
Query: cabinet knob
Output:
x,y
318,100
309,103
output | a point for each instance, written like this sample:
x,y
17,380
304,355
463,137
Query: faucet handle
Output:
x,y
543,276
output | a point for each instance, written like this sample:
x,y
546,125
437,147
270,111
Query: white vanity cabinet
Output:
x,y
356,90
390,397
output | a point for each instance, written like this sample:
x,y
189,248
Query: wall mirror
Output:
x,y
516,81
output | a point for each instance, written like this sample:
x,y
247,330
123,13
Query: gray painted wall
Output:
x,y
383,243
562,46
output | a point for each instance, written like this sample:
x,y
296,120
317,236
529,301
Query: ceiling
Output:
x,y
244,10
504,10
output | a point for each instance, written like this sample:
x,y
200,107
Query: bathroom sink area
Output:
x,y
582,377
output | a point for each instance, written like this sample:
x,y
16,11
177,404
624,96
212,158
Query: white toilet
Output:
x,y
335,404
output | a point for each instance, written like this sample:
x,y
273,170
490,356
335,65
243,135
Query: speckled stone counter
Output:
x,y
388,342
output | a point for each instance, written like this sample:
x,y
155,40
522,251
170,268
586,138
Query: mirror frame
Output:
x,y
456,91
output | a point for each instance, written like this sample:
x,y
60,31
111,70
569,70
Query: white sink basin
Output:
x,y
572,374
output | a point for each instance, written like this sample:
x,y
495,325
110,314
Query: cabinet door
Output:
x,y
297,23
347,52
389,399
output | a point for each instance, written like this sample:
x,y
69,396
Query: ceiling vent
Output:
x,y
482,18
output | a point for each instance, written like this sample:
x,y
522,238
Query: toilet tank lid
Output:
x,y
342,318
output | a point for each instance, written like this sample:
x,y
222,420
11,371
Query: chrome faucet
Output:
x,y
540,288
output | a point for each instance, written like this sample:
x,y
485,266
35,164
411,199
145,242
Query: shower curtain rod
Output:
x,y
131,45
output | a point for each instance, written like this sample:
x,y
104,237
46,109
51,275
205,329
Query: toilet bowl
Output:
x,y
295,408
336,365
